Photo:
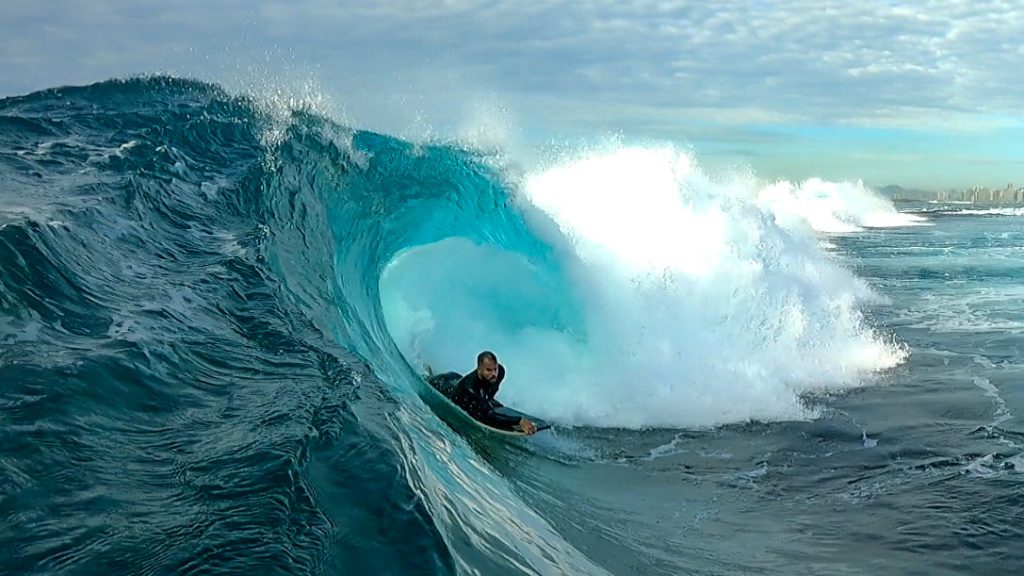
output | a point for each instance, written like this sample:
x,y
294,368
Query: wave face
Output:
x,y
213,312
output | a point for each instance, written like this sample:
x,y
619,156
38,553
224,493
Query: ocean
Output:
x,y
215,312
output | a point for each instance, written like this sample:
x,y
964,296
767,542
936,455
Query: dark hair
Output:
x,y
486,355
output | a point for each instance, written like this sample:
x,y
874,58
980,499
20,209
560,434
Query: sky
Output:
x,y
923,94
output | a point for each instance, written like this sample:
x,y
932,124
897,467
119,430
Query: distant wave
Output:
x,y
834,207
989,211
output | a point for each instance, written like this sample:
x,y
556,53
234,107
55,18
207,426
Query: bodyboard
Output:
x,y
444,385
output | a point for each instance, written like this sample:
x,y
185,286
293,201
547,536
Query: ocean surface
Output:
x,y
215,311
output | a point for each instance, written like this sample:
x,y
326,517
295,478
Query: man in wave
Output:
x,y
476,390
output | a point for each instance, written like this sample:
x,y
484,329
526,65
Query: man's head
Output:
x,y
487,366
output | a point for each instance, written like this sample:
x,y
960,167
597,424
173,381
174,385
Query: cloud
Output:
x,y
728,62
819,61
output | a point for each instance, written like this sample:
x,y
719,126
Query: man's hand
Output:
x,y
527,426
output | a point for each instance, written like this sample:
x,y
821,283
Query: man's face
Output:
x,y
488,370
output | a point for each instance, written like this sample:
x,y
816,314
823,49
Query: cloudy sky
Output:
x,y
926,94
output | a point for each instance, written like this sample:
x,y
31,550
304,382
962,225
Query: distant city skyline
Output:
x,y
921,94
1009,194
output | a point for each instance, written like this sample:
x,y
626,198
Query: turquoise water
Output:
x,y
213,312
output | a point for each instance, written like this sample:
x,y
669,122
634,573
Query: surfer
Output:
x,y
476,390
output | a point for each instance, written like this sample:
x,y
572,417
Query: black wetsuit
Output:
x,y
476,396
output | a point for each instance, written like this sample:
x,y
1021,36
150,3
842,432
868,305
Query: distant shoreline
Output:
x,y
976,195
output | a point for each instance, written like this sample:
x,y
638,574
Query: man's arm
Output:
x,y
499,420
494,418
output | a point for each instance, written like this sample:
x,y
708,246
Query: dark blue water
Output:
x,y
213,311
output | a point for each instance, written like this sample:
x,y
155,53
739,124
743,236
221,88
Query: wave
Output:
x,y
617,277
660,298
937,208
1003,211
207,298
833,207
190,313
